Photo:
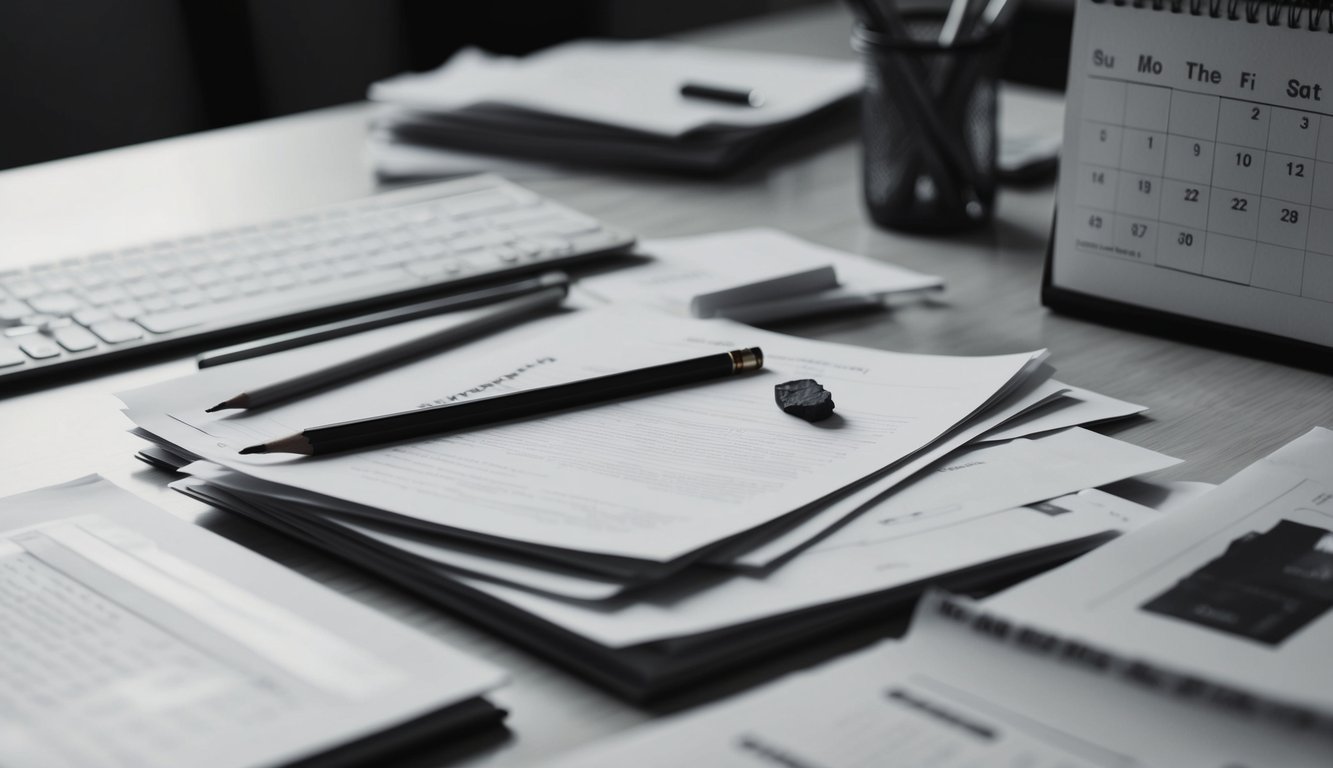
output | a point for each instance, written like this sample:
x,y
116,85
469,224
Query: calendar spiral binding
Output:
x,y
1315,15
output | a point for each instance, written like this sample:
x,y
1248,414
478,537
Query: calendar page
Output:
x,y
1197,173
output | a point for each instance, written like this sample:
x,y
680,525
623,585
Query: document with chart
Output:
x,y
132,638
968,687
1197,174
1236,588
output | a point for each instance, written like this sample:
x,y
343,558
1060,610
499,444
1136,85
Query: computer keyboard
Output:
x,y
62,315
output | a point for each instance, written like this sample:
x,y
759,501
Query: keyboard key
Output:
x,y
190,298
486,201
39,347
74,338
141,289
127,310
89,315
55,303
10,357
250,286
107,295
90,279
206,276
157,304
117,331
23,288
567,226
11,311
173,283
57,282
36,320
426,268
54,323
479,240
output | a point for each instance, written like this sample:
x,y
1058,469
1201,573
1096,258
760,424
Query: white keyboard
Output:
x,y
62,315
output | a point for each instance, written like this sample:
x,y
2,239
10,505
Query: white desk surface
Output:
x,y
1217,410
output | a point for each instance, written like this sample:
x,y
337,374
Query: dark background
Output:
x,y
79,76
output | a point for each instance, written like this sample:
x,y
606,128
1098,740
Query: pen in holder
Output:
x,y
928,118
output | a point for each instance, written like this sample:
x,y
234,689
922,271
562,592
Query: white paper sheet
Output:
x,y
633,85
1234,588
448,553
1077,407
751,275
763,549
954,518
133,638
654,477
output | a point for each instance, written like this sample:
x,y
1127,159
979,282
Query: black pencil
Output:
x,y
488,320
405,425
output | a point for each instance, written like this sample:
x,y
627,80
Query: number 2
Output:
x,y
1254,113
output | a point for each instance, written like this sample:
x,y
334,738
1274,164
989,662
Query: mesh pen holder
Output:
x,y
928,118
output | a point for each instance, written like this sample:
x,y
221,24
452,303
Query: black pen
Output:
x,y
743,97
405,425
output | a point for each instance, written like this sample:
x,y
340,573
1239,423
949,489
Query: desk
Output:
x,y
1218,411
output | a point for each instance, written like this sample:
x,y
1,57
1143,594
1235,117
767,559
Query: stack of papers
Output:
x,y
606,103
652,541
755,275
134,638
1202,641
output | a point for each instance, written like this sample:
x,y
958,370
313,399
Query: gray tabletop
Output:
x,y
1216,410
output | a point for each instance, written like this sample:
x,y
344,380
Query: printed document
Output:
x,y
133,638
953,694
1236,588
654,477
962,515
632,85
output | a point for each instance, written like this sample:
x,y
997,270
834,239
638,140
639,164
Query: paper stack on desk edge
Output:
x,y
140,639
605,102
1201,641
620,539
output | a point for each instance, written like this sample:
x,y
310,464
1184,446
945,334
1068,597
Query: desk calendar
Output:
x,y
1196,180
